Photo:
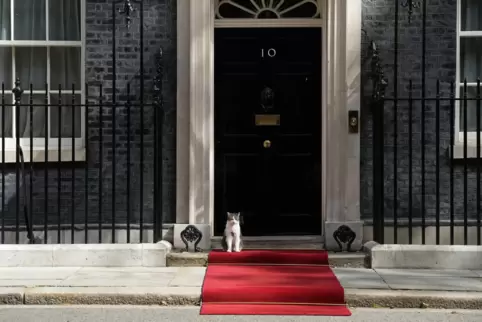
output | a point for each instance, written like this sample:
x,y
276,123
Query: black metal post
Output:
x,y
379,85
59,171
422,120
17,92
114,108
466,200
141,188
101,160
87,156
46,163
478,163
452,149
437,165
72,192
395,127
128,170
158,130
28,202
410,161
3,161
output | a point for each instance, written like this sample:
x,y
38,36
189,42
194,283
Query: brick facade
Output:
x,y
379,25
159,31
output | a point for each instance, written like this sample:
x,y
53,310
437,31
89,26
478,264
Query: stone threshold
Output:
x,y
178,257
276,242
187,259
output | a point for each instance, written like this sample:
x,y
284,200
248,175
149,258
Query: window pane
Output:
x,y
29,20
34,112
66,115
471,15
31,67
263,9
6,79
64,67
64,19
6,68
5,30
6,103
470,59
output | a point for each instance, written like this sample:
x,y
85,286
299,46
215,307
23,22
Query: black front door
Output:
x,y
268,129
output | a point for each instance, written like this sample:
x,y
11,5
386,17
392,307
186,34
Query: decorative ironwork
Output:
x,y
268,9
267,98
17,91
191,235
127,10
411,4
378,76
345,235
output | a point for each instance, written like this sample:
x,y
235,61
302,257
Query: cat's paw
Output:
x,y
237,250
228,251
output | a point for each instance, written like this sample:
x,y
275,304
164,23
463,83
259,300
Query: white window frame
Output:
x,y
459,134
38,146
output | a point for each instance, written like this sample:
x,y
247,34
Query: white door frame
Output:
x,y
341,42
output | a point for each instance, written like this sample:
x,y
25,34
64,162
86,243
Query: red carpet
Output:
x,y
270,282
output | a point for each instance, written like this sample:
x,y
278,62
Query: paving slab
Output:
x,y
189,276
29,283
359,278
119,278
37,273
413,299
428,272
430,281
478,272
91,270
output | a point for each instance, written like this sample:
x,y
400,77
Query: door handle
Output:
x,y
267,144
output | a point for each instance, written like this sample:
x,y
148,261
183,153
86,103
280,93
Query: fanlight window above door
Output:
x,y
268,9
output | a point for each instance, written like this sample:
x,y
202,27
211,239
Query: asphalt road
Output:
x,y
187,314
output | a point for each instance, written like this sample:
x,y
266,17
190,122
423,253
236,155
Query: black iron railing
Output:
x,y
423,159
96,176
427,170
93,157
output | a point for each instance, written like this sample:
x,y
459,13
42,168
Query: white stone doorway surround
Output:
x,y
340,90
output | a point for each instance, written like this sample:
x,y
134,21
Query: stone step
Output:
x,y
184,259
308,242
354,260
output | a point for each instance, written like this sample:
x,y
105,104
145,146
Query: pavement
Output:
x,y
168,286
191,314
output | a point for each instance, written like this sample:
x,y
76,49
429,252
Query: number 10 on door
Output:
x,y
270,53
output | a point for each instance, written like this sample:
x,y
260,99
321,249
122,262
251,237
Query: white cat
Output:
x,y
232,233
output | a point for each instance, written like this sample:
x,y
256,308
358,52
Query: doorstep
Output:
x,y
179,258
185,259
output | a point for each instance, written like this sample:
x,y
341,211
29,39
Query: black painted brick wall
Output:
x,y
159,31
379,24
